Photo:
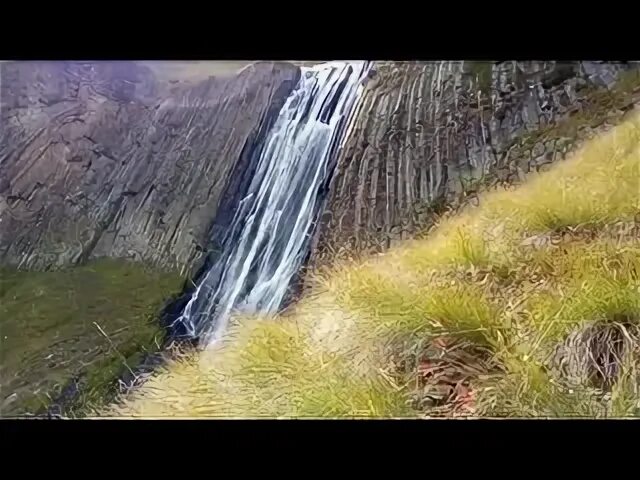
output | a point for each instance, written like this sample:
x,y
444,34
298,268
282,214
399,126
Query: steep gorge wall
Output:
x,y
427,133
102,159
97,159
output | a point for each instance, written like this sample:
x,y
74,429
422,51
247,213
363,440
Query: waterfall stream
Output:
x,y
270,234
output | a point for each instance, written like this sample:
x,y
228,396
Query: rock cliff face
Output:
x,y
428,133
102,159
96,159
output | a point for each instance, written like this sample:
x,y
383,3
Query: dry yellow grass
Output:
x,y
527,305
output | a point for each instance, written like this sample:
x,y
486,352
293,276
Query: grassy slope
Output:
x,y
49,329
528,305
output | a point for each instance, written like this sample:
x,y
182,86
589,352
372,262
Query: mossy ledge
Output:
x,y
68,336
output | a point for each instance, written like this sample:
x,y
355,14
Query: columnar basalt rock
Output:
x,y
101,159
95,162
428,133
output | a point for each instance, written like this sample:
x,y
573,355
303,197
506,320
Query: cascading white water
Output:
x,y
269,237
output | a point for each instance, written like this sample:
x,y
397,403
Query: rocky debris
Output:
x,y
429,133
94,161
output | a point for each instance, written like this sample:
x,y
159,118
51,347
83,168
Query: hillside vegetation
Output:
x,y
526,305
66,336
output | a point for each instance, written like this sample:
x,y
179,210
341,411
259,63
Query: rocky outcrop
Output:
x,y
427,133
97,160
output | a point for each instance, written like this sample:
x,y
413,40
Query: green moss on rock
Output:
x,y
597,105
80,327
482,72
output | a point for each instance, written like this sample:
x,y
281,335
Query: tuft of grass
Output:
x,y
591,280
530,391
267,369
440,306
507,309
625,394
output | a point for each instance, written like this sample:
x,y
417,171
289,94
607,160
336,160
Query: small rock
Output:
x,y
544,159
538,149
550,146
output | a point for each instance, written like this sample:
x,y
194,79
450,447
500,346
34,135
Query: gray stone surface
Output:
x,y
426,131
99,159
103,159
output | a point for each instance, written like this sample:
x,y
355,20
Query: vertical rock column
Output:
x,y
428,133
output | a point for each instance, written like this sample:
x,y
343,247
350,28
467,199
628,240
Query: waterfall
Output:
x,y
270,233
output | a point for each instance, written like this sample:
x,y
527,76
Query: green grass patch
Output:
x,y
482,72
88,323
447,307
